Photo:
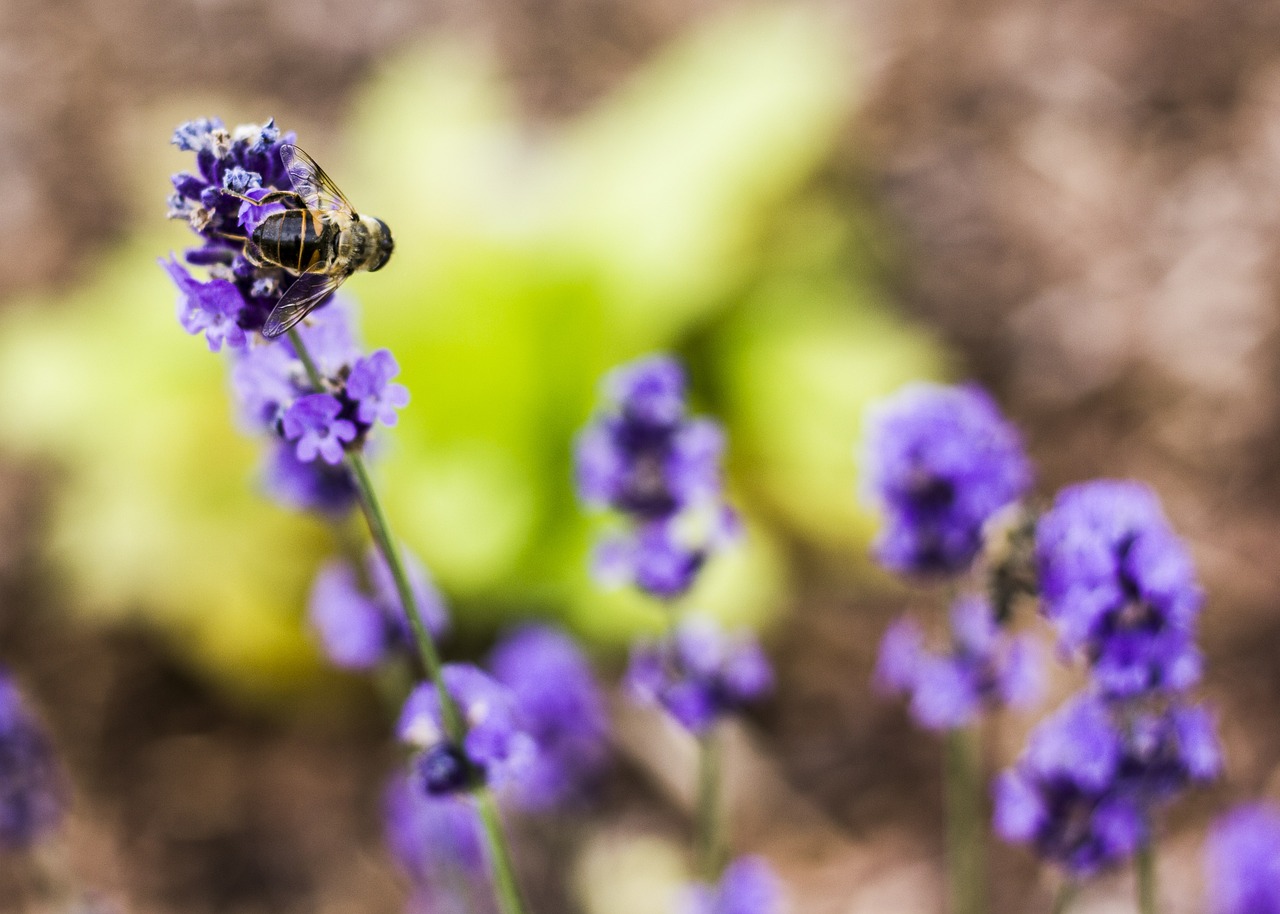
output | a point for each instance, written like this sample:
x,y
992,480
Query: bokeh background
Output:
x,y
1076,203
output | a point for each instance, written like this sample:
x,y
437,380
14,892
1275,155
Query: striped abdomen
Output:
x,y
296,239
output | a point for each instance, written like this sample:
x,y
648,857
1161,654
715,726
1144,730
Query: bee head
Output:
x,y
383,245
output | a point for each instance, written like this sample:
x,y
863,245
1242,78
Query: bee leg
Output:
x,y
232,237
275,196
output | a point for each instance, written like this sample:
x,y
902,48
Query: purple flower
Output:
x,y
748,886
211,308
1119,585
698,674
560,704
642,457
1243,861
360,629
314,486
496,747
939,462
31,792
370,386
649,391
663,558
1083,793
438,842
355,633
313,422
985,668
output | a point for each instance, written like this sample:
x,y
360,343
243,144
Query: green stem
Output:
x,y
504,879
966,823
1066,895
707,839
381,532
1146,867
454,725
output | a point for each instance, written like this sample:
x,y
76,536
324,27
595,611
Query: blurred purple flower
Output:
x,y
1083,793
747,886
360,630
496,747
314,486
31,790
1118,584
984,668
438,842
939,462
560,704
698,673
1242,859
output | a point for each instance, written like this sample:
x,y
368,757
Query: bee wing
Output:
x,y
314,186
301,298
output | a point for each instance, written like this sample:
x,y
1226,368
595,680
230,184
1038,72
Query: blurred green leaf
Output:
x,y
677,214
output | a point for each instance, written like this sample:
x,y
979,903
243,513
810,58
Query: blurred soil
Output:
x,y
1090,201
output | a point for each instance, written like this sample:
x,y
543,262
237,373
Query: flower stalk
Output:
x,y
497,852
1145,864
708,838
966,831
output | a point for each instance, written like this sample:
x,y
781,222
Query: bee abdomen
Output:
x,y
294,239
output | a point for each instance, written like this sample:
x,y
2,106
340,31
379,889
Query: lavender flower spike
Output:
x,y
748,886
1243,862
1084,791
985,668
939,462
359,630
698,674
496,747
561,704
31,794
437,842
1119,585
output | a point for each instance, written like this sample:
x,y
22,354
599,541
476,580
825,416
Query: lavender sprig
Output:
x,y
658,470
321,414
941,464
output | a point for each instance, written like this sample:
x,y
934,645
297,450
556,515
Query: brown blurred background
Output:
x,y
1085,204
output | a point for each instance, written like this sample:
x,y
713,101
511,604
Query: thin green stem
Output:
x,y
381,531
504,879
1066,895
966,823
1146,867
454,725
707,838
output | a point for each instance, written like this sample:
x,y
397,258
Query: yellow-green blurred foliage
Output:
x,y
680,213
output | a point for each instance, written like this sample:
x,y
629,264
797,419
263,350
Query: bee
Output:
x,y
319,236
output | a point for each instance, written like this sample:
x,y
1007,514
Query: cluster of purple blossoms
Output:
x,y
1084,790
438,843
536,728
646,459
560,705
313,428
939,463
1119,586
698,674
747,886
31,790
986,667
1243,862
495,747
360,628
